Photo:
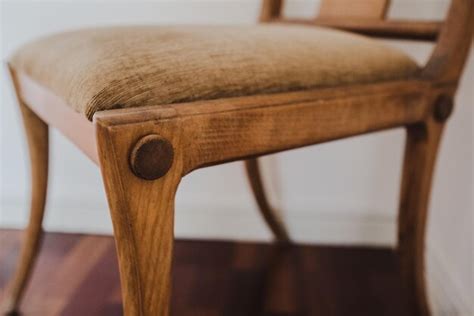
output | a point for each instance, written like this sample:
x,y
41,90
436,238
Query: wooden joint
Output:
x,y
443,108
151,157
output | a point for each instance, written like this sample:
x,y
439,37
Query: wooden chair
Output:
x,y
144,148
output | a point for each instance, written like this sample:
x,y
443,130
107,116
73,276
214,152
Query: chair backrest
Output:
x,y
453,36
366,9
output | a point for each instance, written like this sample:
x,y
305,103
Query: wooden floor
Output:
x,y
77,275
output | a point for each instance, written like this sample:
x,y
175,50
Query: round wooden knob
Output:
x,y
151,157
443,108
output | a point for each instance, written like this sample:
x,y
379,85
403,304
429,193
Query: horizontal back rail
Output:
x,y
453,36
365,9
361,9
367,17
393,29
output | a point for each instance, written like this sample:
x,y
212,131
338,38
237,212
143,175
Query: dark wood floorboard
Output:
x,y
77,275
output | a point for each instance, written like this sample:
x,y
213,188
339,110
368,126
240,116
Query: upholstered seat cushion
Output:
x,y
120,67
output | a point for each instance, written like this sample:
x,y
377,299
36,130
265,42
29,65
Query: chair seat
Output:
x,y
121,67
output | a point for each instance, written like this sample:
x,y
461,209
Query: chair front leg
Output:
x,y
420,157
141,178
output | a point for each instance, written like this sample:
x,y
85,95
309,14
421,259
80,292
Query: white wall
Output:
x,y
339,193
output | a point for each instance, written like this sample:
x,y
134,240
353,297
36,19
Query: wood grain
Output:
x,y
274,123
151,157
420,156
391,29
233,129
368,9
142,214
37,135
270,9
211,132
452,48
57,114
269,214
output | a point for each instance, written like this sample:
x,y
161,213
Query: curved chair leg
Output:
x,y
256,183
420,156
142,211
37,135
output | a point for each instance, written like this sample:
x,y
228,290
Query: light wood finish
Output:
x,y
452,48
320,115
151,157
268,213
142,214
368,9
294,120
144,265
206,133
420,156
37,135
53,110
270,9
363,16
394,29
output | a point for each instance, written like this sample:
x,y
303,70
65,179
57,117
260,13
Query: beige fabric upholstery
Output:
x,y
120,67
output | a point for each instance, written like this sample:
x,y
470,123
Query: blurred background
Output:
x,y
342,193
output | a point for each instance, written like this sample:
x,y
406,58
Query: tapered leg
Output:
x,y
270,216
420,156
142,212
37,136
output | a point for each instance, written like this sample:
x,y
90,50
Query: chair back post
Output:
x,y
271,9
452,48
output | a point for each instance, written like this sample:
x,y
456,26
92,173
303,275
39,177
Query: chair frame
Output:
x,y
144,152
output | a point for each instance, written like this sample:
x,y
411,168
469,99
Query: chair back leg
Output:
x,y
37,135
268,213
420,156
